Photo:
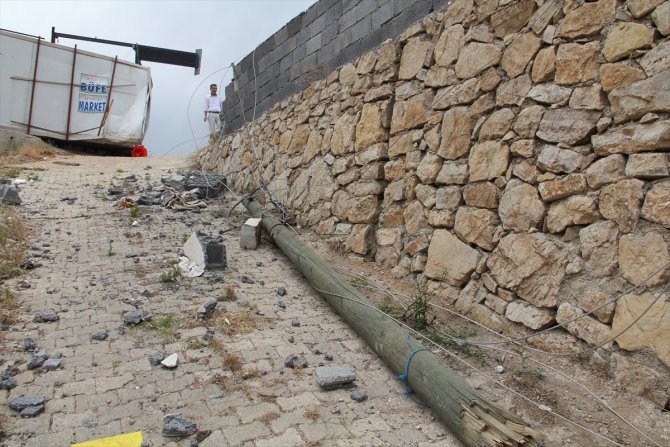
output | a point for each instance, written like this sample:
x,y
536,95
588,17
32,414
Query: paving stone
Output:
x,y
107,387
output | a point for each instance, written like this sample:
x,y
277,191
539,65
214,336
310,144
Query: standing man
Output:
x,y
213,110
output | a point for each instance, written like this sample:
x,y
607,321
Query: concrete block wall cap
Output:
x,y
253,221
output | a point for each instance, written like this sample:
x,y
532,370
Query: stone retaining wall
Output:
x,y
511,155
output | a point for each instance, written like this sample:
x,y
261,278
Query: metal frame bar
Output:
x,y
69,107
39,81
32,93
109,97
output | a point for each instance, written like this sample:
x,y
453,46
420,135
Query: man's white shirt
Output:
x,y
212,104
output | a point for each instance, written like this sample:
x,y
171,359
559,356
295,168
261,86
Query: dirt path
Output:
x,y
95,265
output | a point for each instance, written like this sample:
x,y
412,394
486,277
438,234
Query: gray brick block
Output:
x,y
439,4
313,45
372,40
348,5
365,8
333,14
361,29
280,36
346,20
310,15
318,25
413,10
286,47
347,54
285,63
382,15
329,33
323,5
294,25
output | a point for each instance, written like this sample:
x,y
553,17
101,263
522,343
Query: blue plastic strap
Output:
x,y
404,378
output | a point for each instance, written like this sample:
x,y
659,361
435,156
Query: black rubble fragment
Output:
x,y
10,371
156,358
358,395
246,280
281,291
328,358
175,425
24,284
208,335
100,336
295,322
7,383
281,304
135,317
205,310
295,361
46,316
29,344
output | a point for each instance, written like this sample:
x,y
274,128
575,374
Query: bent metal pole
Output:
x,y
476,421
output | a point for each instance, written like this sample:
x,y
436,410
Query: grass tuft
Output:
x,y
166,326
13,236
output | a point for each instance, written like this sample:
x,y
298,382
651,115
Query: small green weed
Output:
x,y
184,237
110,249
418,314
166,326
359,282
32,177
134,212
172,275
8,307
527,376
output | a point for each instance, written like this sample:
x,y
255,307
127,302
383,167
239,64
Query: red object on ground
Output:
x,y
139,151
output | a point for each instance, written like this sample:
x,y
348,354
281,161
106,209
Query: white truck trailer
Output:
x,y
59,92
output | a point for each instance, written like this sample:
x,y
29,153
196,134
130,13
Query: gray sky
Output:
x,y
226,30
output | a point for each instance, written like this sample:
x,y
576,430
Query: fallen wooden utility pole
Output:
x,y
476,421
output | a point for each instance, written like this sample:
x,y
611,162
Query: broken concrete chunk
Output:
x,y
29,406
100,336
250,234
175,425
358,395
9,195
7,384
37,360
51,364
205,251
29,344
170,362
46,316
332,377
205,310
295,361
136,317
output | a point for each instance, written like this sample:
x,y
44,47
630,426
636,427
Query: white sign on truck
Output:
x,y
64,93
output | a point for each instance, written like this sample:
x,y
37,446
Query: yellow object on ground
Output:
x,y
127,440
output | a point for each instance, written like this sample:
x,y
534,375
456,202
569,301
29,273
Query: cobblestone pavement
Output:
x,y
96,265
